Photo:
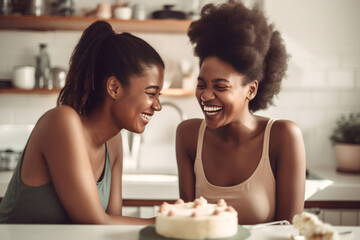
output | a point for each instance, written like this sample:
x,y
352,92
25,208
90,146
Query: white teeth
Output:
x,y
212,109
145,117
211,113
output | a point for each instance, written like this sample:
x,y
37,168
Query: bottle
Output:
x,y
5,7
42,73
139,12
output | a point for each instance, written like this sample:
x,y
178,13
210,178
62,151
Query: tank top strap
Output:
x,y
200,140
266,141
265,151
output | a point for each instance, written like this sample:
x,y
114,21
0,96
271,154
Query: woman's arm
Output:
x,y
186,141
290,169
116,158
115,201
64,147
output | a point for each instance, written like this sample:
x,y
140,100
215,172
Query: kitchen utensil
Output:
x,y
37,7
24,77
20,6
261,225
139,12
170,72
63,7
5,7
123,13
8,159
301,237
168,13
187,70
58,76
42,73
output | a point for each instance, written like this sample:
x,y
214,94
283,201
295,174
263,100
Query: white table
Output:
x,y
130,232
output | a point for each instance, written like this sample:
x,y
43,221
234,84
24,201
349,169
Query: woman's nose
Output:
x,y
207,95
157,105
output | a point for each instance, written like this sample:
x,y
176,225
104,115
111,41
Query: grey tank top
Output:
x,y
26,204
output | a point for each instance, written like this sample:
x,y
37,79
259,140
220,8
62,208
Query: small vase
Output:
x,y
103,10
348,157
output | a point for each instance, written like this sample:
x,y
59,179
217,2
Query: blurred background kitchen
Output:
x,y
323,80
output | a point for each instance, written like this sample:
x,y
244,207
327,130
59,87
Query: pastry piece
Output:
x,y
312,228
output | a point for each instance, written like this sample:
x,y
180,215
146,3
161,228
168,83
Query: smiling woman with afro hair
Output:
x,y
256,163
244,39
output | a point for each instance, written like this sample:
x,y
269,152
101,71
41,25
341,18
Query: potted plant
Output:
x,y
346,138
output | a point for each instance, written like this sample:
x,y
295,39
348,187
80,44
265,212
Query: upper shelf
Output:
x,y
170,92
48,23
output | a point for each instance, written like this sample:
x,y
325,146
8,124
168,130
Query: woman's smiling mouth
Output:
x,y
211,110
145,117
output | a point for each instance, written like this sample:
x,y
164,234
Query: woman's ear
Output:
x,y
253,87
114,88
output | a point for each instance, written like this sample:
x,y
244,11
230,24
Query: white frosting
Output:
x,y
196,220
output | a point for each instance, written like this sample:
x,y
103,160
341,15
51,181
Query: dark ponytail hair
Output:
x,y
102,53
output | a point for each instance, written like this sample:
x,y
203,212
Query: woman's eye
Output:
x,y
200,86
221,88
151,94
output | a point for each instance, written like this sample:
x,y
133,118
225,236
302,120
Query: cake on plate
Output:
x,y
196,220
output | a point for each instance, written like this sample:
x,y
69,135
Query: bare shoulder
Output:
x,y
287,141
62,114
186,137
189,126
283,129
60,123
188,129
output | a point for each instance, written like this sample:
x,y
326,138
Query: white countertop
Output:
x,y
330,173
341,186
130,232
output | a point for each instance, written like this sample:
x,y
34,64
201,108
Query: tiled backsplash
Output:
x,y
323,80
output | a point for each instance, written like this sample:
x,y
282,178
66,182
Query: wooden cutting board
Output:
x,y
149,233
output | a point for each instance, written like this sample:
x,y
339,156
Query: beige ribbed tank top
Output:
x,y
254,199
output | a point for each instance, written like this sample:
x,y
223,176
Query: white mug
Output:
x,y
123,13
24,77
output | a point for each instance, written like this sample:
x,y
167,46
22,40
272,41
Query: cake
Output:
x,y
312,228
196,220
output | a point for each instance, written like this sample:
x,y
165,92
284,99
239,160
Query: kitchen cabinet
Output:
x,y
140,211
49,23
338,216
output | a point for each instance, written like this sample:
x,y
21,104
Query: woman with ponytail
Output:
x,y
256,164
71,168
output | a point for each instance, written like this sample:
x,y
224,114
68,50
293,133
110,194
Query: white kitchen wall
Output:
x,y
323,80
324,73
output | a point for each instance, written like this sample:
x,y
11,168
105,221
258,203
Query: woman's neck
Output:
x,y
98,127
240,130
